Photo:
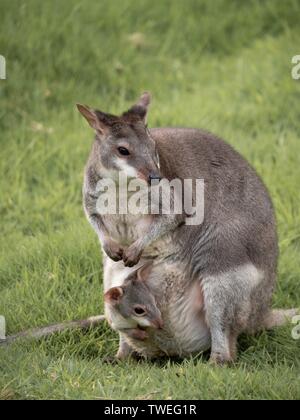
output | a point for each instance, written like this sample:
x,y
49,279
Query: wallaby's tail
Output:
x,y
47,331
279,317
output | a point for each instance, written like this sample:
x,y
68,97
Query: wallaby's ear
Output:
x,y
96,119
144,272
141,106
144,100
113,295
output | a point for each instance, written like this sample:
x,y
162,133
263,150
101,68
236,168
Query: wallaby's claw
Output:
x,y
131,256
113,250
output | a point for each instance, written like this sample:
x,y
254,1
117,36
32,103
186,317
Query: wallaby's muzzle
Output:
x,y
157,323
154,177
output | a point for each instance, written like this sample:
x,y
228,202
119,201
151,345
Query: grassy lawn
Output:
x,y
220,65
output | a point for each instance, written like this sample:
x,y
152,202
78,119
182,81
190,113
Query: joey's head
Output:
x,y
134,300
124,142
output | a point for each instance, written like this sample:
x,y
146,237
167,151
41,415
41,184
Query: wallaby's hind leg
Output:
x,y
227,299
224,344
233,345
220,345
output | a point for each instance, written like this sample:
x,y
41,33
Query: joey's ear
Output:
x,y
144,272
113,295
141,106
97,120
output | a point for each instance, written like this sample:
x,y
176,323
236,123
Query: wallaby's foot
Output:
x,y
110,360
132,256
228,354
221,359
113,250
222,351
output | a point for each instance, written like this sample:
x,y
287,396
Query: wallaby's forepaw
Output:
x,y
113,250
136,333
132,256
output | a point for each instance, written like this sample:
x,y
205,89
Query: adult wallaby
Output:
x,y
230,258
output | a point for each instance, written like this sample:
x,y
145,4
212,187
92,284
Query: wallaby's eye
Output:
x,y
139,310
123,151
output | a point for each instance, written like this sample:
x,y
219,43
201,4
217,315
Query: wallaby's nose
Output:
x,y
158,323
154,177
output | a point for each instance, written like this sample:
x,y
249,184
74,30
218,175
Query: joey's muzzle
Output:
x,y
158,323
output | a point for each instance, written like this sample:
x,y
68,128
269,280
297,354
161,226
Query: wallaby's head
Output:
x,y
124,141
134,300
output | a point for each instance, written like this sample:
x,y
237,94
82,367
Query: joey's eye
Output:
x,y
139,310
123,151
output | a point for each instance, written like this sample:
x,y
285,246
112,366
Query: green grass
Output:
x,y
221,65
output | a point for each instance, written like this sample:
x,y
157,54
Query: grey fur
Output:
x,y
232,254
135,303
165,291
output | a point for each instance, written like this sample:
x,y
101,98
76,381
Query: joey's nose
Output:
x,y
154,177
158,323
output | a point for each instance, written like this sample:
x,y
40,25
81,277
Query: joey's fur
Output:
x,y
232,254
182,328
178,305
